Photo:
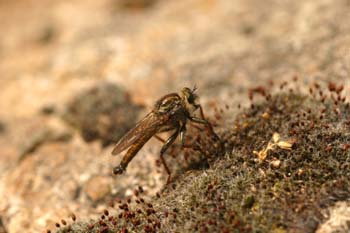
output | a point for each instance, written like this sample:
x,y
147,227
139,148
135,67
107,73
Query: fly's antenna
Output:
x,y
194,88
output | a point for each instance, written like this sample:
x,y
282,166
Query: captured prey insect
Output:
x,y
171,112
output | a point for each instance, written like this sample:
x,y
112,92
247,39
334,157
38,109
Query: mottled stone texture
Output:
x,y
52,52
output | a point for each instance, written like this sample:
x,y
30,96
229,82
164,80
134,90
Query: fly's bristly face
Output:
x,y
189,99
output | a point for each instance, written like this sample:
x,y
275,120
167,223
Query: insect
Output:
x,y
170,113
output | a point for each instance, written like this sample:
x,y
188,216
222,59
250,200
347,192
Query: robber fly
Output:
x,y
170,113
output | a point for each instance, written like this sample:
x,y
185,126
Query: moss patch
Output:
x,y
240,193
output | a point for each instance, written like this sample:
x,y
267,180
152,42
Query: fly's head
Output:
x,y
189,99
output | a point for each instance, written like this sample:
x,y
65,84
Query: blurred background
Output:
x,y
76,75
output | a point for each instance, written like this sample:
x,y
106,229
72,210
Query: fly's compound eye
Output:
x,y
189,95
191,99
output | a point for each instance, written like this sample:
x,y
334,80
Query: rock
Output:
x,y
339,219
135,4
58,167
46,35
98,187
2,227
150,48
2,127
103,112
24,136
41,136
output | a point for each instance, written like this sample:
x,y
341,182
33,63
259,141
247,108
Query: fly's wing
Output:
x,y
148,126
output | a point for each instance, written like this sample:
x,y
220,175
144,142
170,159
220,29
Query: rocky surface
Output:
x,y
54,50
338,219
103,112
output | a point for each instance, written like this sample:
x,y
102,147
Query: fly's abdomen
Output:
x,y
130,154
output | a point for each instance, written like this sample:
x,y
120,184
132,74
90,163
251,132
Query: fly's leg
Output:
x,y
209,127
166,145
199,120
202,120
206,123
182,135
130,154
159,138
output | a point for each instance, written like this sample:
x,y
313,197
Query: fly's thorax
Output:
x,y
169,104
